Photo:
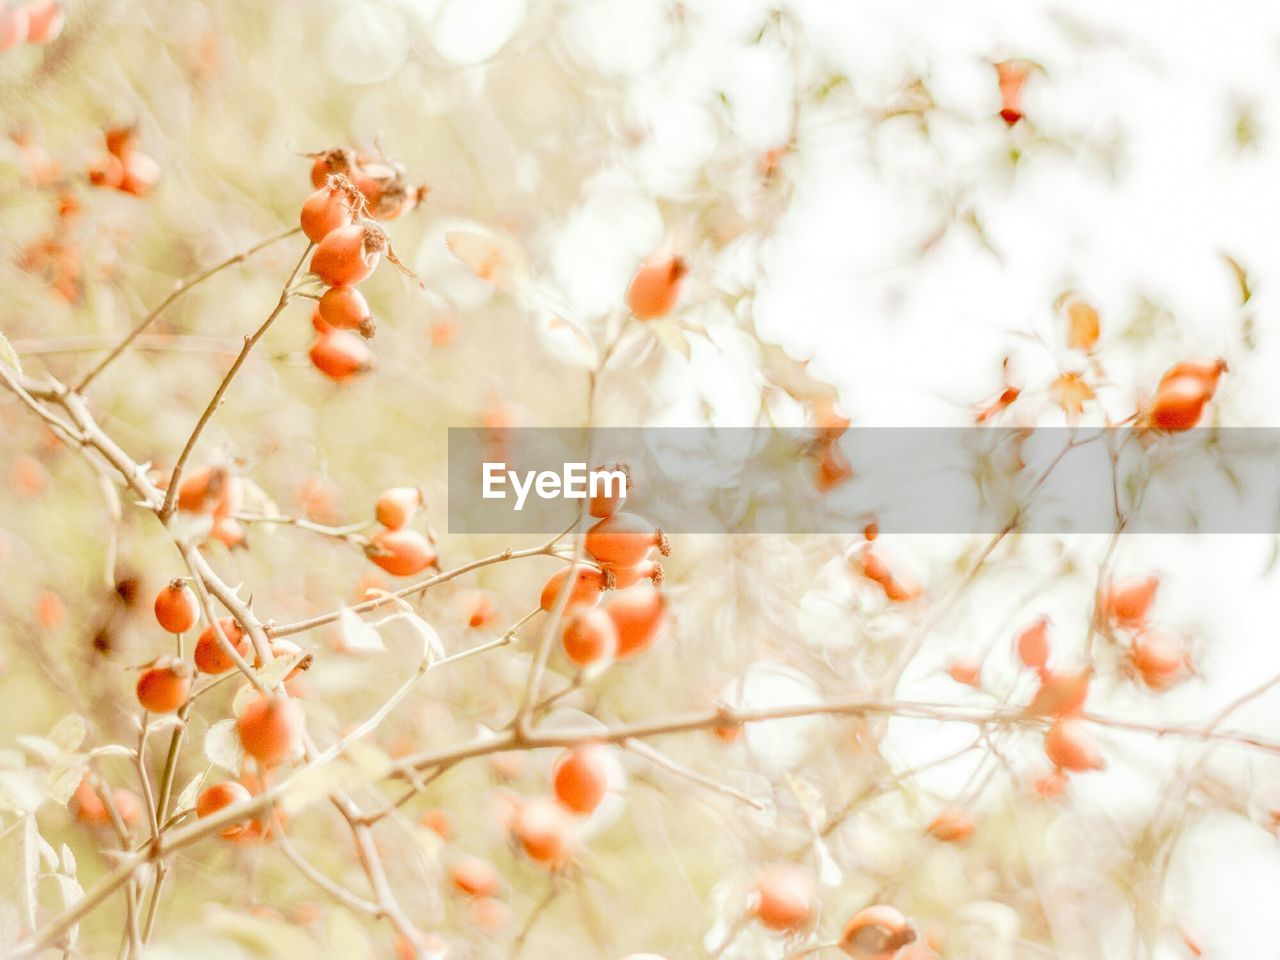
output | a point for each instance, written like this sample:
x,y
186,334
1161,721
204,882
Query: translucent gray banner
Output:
x,y
906,480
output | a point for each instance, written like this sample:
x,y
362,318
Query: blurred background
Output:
x,y
864,232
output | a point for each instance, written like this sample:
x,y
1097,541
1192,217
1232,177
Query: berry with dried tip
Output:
x,y
165,685
210,656
401,553
624,540
329,162
349,255
655,288
347,309
271,729
588,584
624,577
176,607
396,506
1012,75
876,933
784,899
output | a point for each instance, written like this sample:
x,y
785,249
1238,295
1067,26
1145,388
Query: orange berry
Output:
x,y
217,798
230,532
1083,325
784,899
89,807
346,309
1160,659
876,933
50,610
1128,601
588,584
479,608
952,825
624,577
105,170
210,656
624,540
213,489
965,670
349,255
895,587
318,323
165,686
545,831
141,172
395,507
1011,75
603,505
1051,786
1071,746
1032,644
1062,692
176,607
589,637
28,476
271,729
220,796
581,777
325,211
1204,370
638,615
401,553
341,355
45,20
655,288
475,877
438,821
15,24
325,164
489,914
1178,405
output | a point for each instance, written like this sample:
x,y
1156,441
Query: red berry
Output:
x,y
164,686
401,553
341,355
210,657
176,607
655,288
271,729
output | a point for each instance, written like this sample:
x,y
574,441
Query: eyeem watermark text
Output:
x,y
573,482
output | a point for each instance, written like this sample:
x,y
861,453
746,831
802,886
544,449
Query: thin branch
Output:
x,y
175,480
178,291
